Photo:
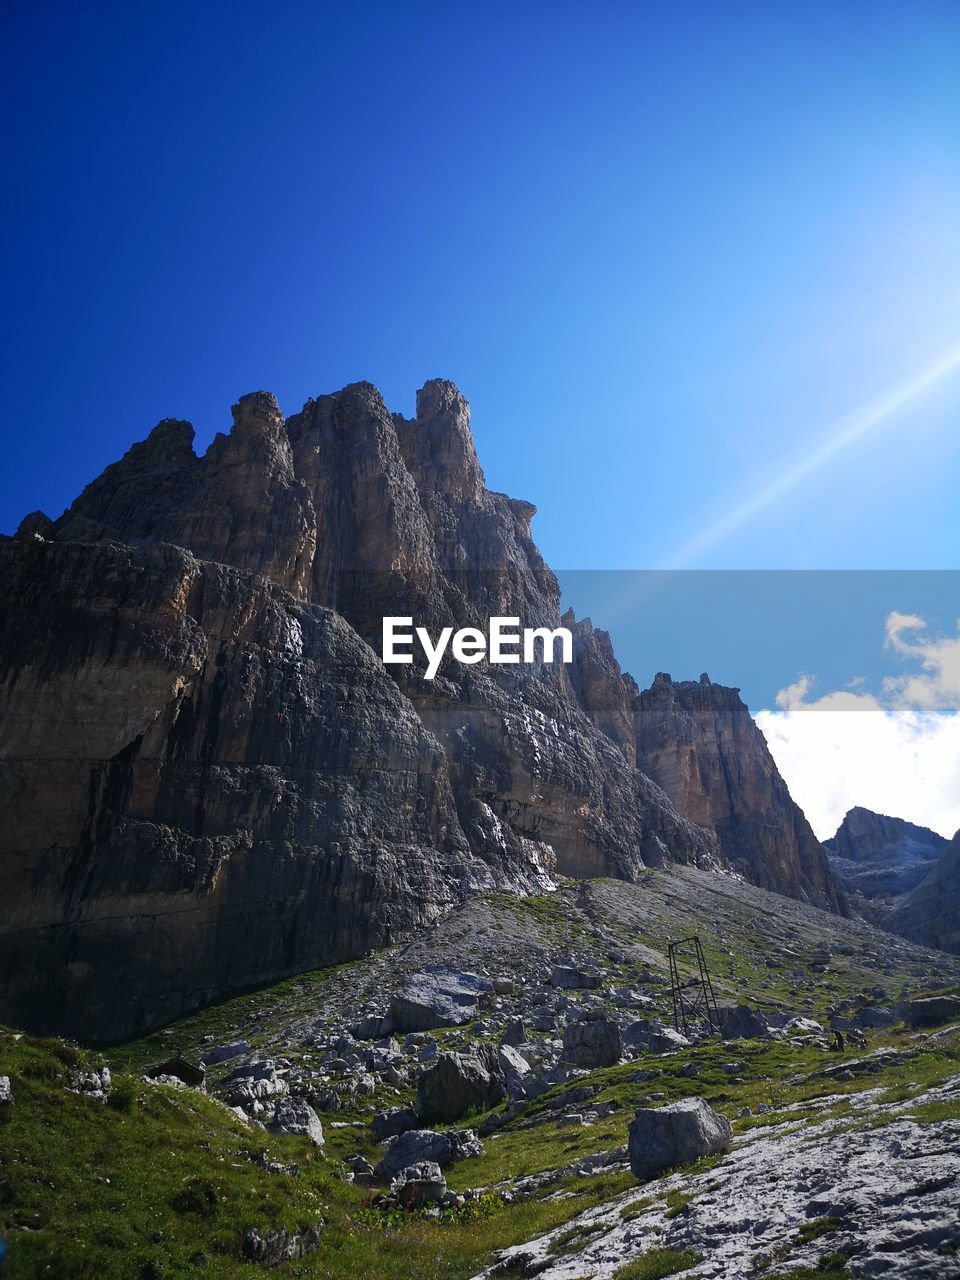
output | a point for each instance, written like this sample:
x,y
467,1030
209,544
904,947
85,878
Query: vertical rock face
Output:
x,y
699,743
878,859
930,914
602,688
208,777
205,783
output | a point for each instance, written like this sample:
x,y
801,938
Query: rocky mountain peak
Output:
x,y
252,748
863,834
171,440
698,741
880,860
256,411
37,524
438,445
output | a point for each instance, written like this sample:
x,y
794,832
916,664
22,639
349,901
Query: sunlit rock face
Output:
x,y
698,741
210,780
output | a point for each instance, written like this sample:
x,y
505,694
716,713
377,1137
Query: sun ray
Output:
x,y
847,432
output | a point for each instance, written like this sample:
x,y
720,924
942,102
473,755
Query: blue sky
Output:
x,y
669,252
664,250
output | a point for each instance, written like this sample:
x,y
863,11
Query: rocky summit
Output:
x,y
699,742
209,778
878,860
900,875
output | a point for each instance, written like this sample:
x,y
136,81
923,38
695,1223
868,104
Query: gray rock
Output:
x,y
511,1062
438,997
740,1022
544,1022
372,1027
459,1083
417,1145
515,1032
95,1084
225,1052
388,1124
270,1248
295,1117
802,1027
6,1091
596,1042
876,1017
929,1012
889,1186
649,1036
568,977
419,1185
662,1138
362,1169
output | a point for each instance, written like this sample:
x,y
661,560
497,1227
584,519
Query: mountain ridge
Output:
x,y
212,779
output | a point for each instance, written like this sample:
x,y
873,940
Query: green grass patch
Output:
x,y
636,1209
676,1202
574,1238
166,1182
658,1263
818,1227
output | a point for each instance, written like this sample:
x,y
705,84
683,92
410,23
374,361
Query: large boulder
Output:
x,y
929,1012
419,1185
459,1083
295,1117
225,1053
417,1145
512,1063
593,1042
649,1035
515,1033
438,997
6,1091
387,1124
740,1022
663,1138
875,1016
575,977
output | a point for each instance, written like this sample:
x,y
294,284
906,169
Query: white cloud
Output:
x,y
899,754
938,688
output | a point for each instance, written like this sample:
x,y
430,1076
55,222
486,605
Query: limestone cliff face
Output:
x,y
699,743
878,860
205,783
209,779
930,914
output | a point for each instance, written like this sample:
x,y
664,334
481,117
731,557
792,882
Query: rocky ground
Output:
x,y
826,1196
514,1062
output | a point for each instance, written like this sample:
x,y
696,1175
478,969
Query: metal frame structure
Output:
x,y
698,1012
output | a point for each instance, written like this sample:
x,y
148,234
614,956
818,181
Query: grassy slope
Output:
x,y
165,1183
